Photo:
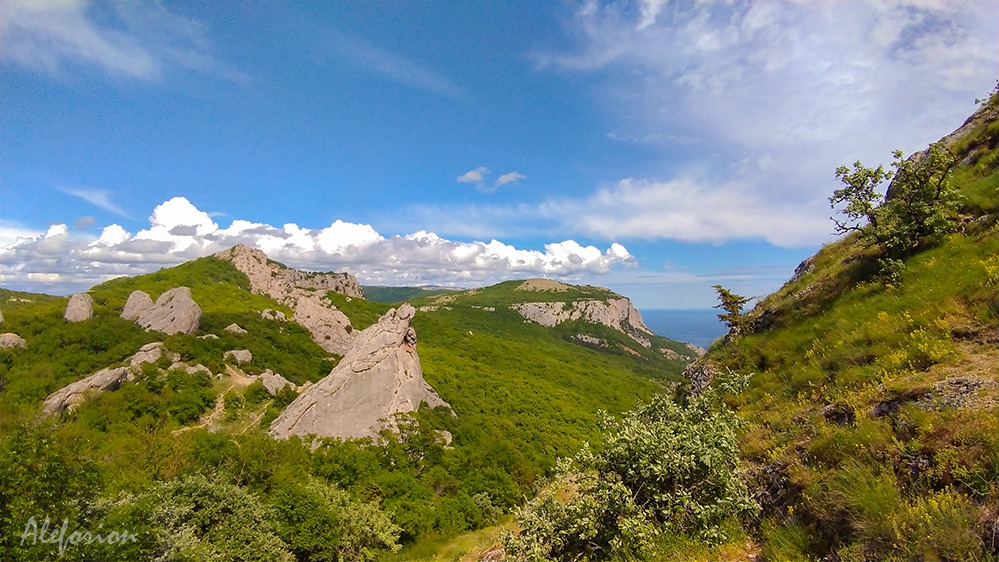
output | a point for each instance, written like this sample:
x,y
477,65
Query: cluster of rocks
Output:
x,y
379,376
110,378
175,312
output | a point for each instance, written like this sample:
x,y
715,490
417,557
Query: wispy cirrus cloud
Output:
x,y
138,40
771,96
100,198
397,68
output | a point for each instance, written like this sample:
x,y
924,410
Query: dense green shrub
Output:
x,y
199,518
662,469
322,523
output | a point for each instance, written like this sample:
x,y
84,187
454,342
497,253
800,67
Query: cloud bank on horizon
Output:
x,y
62,261
713,124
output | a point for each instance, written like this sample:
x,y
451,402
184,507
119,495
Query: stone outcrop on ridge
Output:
x,y
175,312
10,340
617,313
304,292
79,308
136,305
378,377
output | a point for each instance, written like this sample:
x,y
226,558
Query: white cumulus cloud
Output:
x,y
61,261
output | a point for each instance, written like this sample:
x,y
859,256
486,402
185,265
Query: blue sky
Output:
x,y
654,147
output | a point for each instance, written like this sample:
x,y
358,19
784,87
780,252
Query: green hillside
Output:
x,y
524,395
391,295
871,414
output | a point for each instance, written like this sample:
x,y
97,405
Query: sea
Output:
x,y
699,327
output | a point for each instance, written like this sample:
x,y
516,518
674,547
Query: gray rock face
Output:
x,y
329,327
175,312
71,396
10,340
305,292
238,356
270,278
149,353
274,382
614,313
235,328
79,308
276,315
136,305
378,377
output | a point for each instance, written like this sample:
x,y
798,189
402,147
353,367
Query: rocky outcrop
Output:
x,y
11,340
697,350
150,353
137,304
79,308
303,291
268,277
329,327
700,374
617,313
277,315
238,356
235,328
378,377
175,312
71,396
274,382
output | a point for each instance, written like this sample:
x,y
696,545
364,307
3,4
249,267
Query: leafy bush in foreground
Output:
x,y
665,470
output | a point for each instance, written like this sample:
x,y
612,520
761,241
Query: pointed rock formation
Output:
x,y
10,340
136,305
175,312
303,291
79,308
235,328
378,377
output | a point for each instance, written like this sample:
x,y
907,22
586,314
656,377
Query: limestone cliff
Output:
x,y
303,291
617,313
379,376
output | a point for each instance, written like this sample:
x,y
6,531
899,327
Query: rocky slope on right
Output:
x,y
871,421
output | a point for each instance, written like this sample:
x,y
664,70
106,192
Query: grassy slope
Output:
x,y
524,395
391,295
516,382
837,476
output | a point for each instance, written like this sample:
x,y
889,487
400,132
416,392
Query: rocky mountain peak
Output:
x,y
303,291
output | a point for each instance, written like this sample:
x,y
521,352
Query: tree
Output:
x,y
918,205
732,304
